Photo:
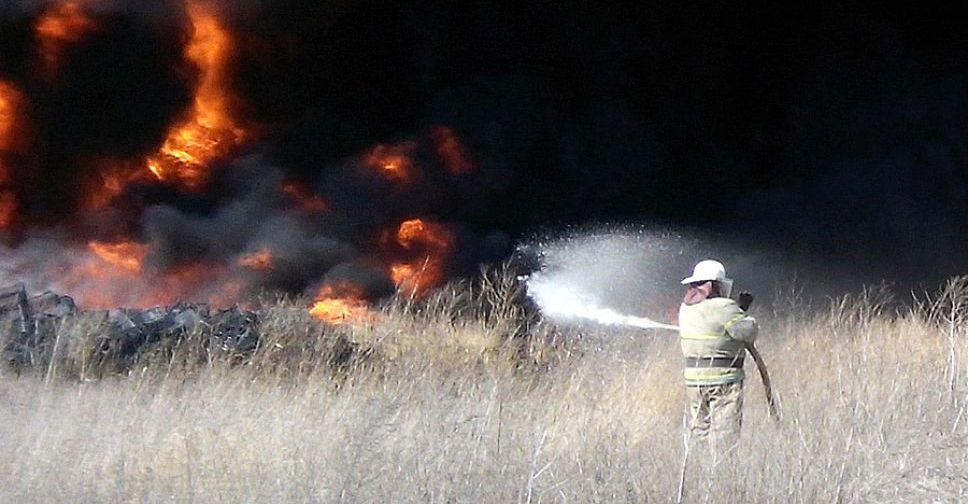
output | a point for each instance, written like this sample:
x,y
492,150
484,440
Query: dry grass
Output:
x,y
434,402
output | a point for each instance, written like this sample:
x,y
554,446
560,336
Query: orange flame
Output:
x,y
430,245
129,256
417,232
306,202
14,130
9,116
405,276
417,279
61,25
8,208
257,261
451,151
10,142
209,132
115,274
393,161
340,303
110,180
103,278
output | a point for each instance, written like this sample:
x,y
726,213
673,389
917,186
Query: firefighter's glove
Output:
x,y
745,300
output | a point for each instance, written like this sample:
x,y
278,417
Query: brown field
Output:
x,y
434,402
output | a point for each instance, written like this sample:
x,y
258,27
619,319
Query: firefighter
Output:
x,y
714,333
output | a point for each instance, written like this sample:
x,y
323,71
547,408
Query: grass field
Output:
x,y
435,402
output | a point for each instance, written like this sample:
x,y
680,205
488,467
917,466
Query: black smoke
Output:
x,y
834,134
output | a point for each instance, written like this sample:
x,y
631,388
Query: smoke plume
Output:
x,y
154,151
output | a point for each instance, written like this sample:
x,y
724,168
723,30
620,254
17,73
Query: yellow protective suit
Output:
x,y
713,333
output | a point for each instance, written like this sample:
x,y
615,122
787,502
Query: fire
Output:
x,y
394,161
451,151
429,244
110,180
14,131
105,275
209,131
8,208
339,303
126,255
61,25
257,261
115,274
405,276
417,232
9,115
306,202
112,184
417,279
11,141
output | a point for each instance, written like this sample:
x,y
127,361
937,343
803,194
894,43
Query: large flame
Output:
x,y
61,24
125,272
339,303
429,246
209,131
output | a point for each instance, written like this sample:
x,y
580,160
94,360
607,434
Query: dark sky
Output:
x,y
829,132
835,131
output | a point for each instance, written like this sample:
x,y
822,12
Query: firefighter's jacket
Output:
x,y
712,333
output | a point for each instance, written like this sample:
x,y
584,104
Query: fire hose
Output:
x,y
767,385
744,301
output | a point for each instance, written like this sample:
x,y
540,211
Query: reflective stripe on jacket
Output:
x,y
715,328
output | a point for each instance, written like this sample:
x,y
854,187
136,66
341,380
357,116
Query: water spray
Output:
x,y
601,276
564,303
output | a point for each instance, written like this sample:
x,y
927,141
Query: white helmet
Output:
x,y
710,270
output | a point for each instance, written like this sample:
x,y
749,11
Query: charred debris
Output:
x,y
29,329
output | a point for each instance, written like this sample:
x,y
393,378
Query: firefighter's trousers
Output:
x,y
716,411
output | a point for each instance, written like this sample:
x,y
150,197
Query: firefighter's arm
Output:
x,y
739,325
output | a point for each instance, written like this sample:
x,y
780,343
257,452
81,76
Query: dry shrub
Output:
x,y
445,400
